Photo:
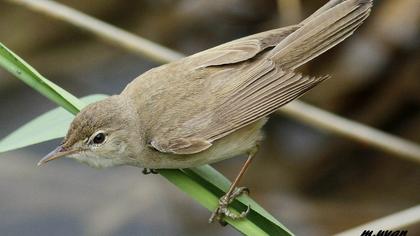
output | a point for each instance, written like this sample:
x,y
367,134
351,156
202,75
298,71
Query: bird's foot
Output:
x,y
147,171
222,210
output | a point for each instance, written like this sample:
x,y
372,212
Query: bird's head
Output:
x,y
101,135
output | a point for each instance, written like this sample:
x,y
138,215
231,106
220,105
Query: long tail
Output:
x,y
324,29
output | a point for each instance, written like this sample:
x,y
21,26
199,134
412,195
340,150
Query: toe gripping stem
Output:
x,y
147,171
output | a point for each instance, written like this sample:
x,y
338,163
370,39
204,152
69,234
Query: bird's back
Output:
x,y
190,103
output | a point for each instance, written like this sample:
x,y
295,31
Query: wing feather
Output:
x,y
252,77
251,102
242,49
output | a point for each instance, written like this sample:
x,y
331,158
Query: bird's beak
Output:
x,y
60,151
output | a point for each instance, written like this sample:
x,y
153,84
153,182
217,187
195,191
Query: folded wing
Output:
x,y
256,75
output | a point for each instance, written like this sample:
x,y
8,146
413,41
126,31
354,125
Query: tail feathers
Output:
x,y
323,31
327,6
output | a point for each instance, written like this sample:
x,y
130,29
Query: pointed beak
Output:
x,y
60,151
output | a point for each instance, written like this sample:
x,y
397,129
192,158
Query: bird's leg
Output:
x,y
233,192
147,171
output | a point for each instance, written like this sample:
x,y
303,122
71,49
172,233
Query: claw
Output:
x,y
238,192
234,216
223,211
147,171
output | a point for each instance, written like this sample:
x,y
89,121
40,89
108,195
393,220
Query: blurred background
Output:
x,y
314,182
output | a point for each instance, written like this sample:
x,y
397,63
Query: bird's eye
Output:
x,y
99,138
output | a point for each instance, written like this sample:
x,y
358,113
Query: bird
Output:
x,y
209,106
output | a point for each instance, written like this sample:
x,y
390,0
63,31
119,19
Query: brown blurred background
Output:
x,y
314,182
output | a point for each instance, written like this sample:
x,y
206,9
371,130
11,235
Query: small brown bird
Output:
x,y
209,106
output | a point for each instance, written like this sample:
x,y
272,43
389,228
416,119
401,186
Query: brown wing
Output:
x,y
258,84
242,49
250,101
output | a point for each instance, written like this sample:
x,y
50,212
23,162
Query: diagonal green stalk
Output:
x,y
204,184
23,71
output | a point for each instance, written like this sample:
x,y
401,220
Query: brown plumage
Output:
x,y
222,89
209,106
